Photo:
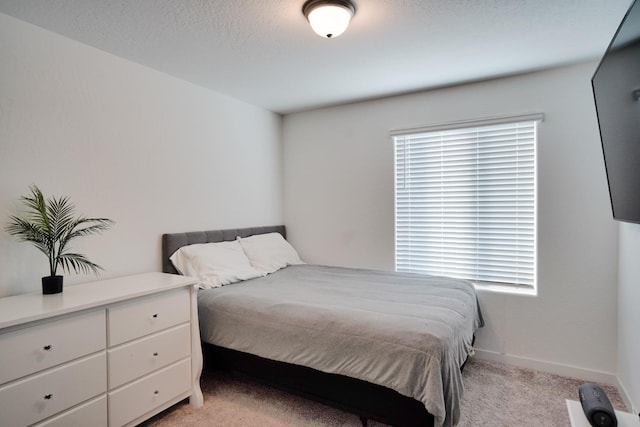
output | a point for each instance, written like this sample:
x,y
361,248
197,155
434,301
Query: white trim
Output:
x,y
506,288
587,375
531,117
624,394
552,368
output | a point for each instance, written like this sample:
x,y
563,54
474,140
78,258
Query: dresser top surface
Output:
x,y
20,309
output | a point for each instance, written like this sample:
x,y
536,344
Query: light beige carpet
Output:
x,y
496,395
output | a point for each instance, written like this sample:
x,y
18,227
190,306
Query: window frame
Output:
x,y
536,119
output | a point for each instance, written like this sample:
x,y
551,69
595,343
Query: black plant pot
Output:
x,y
52,285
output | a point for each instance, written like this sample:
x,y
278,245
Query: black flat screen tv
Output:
x,y
616,89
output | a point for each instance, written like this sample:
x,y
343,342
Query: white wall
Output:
x,y
158,154
152,152
629,313
339,209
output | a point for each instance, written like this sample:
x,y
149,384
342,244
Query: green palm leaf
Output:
x,y
50,225
60,216
99,225
29,232
78,262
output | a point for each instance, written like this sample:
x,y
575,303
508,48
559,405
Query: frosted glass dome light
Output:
x,y
329,18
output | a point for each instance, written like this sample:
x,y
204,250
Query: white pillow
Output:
x,y
214,264
269,252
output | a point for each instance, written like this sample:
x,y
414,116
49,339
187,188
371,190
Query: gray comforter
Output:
x,y
407,332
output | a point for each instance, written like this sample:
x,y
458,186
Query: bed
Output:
x,y
359,340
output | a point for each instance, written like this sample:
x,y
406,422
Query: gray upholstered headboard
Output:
x,y
173,241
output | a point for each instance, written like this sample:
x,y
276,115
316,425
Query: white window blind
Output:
x,y
466,202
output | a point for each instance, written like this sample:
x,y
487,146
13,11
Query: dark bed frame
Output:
x,y
368,401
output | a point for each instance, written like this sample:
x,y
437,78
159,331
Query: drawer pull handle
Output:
x,y
47,347
48,396
155,354
155,315
155,393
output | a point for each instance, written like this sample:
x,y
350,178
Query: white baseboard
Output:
x,y
586,375
625,397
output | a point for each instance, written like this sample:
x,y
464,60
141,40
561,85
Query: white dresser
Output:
x,y
108,353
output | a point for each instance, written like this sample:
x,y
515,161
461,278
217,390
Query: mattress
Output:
x,y
408,332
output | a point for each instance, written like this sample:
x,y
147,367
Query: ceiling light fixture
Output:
x,y
329,18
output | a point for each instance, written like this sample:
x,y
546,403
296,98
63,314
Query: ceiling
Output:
x,y
264,52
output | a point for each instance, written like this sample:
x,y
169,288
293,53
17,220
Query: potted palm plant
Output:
x,y
50,225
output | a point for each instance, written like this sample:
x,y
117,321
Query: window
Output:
x,y
465,200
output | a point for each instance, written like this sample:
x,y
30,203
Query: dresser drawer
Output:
x,y
92,413
138,358
147,315
42,395
32,349
136,399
